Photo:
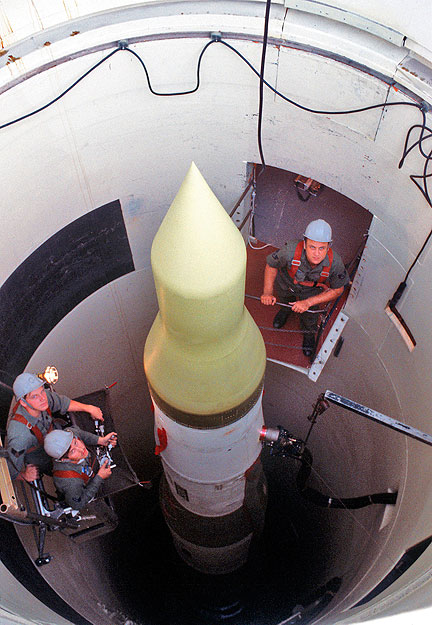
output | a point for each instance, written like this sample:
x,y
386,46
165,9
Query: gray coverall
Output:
x,y
78,490
287,291
22,444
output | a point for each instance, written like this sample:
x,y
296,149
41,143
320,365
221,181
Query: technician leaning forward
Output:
x,y
31,421
76,471
308,273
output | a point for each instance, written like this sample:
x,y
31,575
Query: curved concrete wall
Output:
x,y
109,138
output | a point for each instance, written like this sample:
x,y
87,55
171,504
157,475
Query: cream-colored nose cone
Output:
x,y
204,354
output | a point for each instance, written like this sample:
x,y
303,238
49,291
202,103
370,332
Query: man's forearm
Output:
x,y
270,274
94,411
76,406
326,296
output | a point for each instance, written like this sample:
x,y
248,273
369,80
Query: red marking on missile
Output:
x,y
163,441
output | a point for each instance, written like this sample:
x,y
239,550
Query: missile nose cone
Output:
x,y
199,262
197,250
203,336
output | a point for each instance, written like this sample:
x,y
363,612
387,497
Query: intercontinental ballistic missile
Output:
x,y
204,360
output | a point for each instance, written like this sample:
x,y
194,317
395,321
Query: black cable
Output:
x,y
42,492
317,111
174,93
121,47
264,82
6,386
422,137
406,150
10,519
56,99
334,502
124,47
261,86
423,127
425,192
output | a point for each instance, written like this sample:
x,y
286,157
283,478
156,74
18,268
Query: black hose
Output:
x,y
12,519
42,492
334,502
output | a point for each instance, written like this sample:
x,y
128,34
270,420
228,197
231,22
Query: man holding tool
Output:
x,y
306,273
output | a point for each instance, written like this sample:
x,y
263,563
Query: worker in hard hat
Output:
x,y
308,273
31,421
77,473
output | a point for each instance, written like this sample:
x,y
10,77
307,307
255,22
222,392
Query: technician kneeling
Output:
x,y
76,471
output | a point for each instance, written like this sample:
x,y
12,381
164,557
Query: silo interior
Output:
x,y
88,181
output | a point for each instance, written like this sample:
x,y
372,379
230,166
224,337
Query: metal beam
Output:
x,y
364,411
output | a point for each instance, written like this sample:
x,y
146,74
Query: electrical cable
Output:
x,y
124,47
372,537
261,86
63,93
425,192
96,65
174,93
254,247
10,519
318,111
325,501
307,109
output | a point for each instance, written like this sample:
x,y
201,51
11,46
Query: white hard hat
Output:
x,y
26,383
57,443
319,230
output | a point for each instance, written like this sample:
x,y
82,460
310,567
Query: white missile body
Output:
x,y
206,468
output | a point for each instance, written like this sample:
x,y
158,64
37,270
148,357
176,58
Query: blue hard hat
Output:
x,y
57,442
319,230
26,383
